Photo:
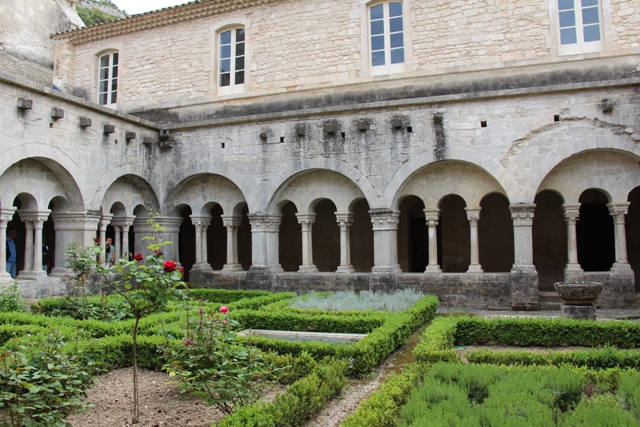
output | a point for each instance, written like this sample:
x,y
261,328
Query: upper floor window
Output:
x,y
387,38
231,61
580,26
108,79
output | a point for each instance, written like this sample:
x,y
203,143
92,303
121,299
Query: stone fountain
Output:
x,y
578,299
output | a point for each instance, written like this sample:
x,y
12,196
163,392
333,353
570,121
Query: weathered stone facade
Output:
x,y
487,169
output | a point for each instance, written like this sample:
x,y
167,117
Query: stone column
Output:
x,y
473,215
201,224
117,241
618,212
432,218
573,271
265,232
72,227
102,230
27,272
33,221
232,223
345,220
385,240
126,225
307,220
524,277
6,214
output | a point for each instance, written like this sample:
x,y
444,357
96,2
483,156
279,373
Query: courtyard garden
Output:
x,y
240,358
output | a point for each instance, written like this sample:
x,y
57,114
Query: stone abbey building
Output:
x,y
479,150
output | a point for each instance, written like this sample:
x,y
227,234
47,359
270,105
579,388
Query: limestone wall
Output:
x,y
300,44
27,25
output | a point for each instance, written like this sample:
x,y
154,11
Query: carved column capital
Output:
x,y
432,217
384,219
200,221
571,213
306,218
618,211
522,214
231,221
473,215
344,220
6,214
264,223
105,220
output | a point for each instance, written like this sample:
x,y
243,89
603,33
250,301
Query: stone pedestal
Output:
x,y
578,312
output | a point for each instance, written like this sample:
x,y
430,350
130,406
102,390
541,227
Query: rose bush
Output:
x,y
213,365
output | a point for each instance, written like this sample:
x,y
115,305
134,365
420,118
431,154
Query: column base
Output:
x,y
60,272
621,268
433,269
308,268
390,269
346,269
31,275
524,289
202,267
475,269
230,268
5,278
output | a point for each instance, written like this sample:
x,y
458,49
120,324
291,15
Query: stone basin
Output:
x,y
578,293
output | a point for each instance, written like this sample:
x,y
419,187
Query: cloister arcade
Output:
x,y
449,217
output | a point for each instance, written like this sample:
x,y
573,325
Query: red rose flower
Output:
x,y
138,257
181,270
224,309
189,341
158,252
169,266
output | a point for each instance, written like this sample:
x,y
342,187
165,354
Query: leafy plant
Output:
x,y
11,298
147,285
82,262
213,365
41,383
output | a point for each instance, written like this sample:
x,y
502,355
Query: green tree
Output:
x,y
91,16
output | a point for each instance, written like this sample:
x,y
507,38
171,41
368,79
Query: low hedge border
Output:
x,y
302,400
381,409
546,332
596,358
437,342
365,355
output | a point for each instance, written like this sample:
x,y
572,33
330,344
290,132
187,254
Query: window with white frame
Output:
x,y
386,35
231,61
108,79
580,26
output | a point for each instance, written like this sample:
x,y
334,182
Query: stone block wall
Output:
x,y
305,44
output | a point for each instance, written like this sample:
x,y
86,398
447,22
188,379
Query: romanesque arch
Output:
x,y
215,233
33,193
328,214
590,190
449,194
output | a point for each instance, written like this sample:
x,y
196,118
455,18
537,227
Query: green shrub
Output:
x,y
41,383
630,392
546,332
437,342
601,411
302,400
11,298
381,409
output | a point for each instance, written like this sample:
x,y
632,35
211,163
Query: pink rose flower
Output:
x,y
224,309
169,266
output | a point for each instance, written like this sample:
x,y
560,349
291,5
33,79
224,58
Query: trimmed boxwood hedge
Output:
x,y
366,355
546,332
